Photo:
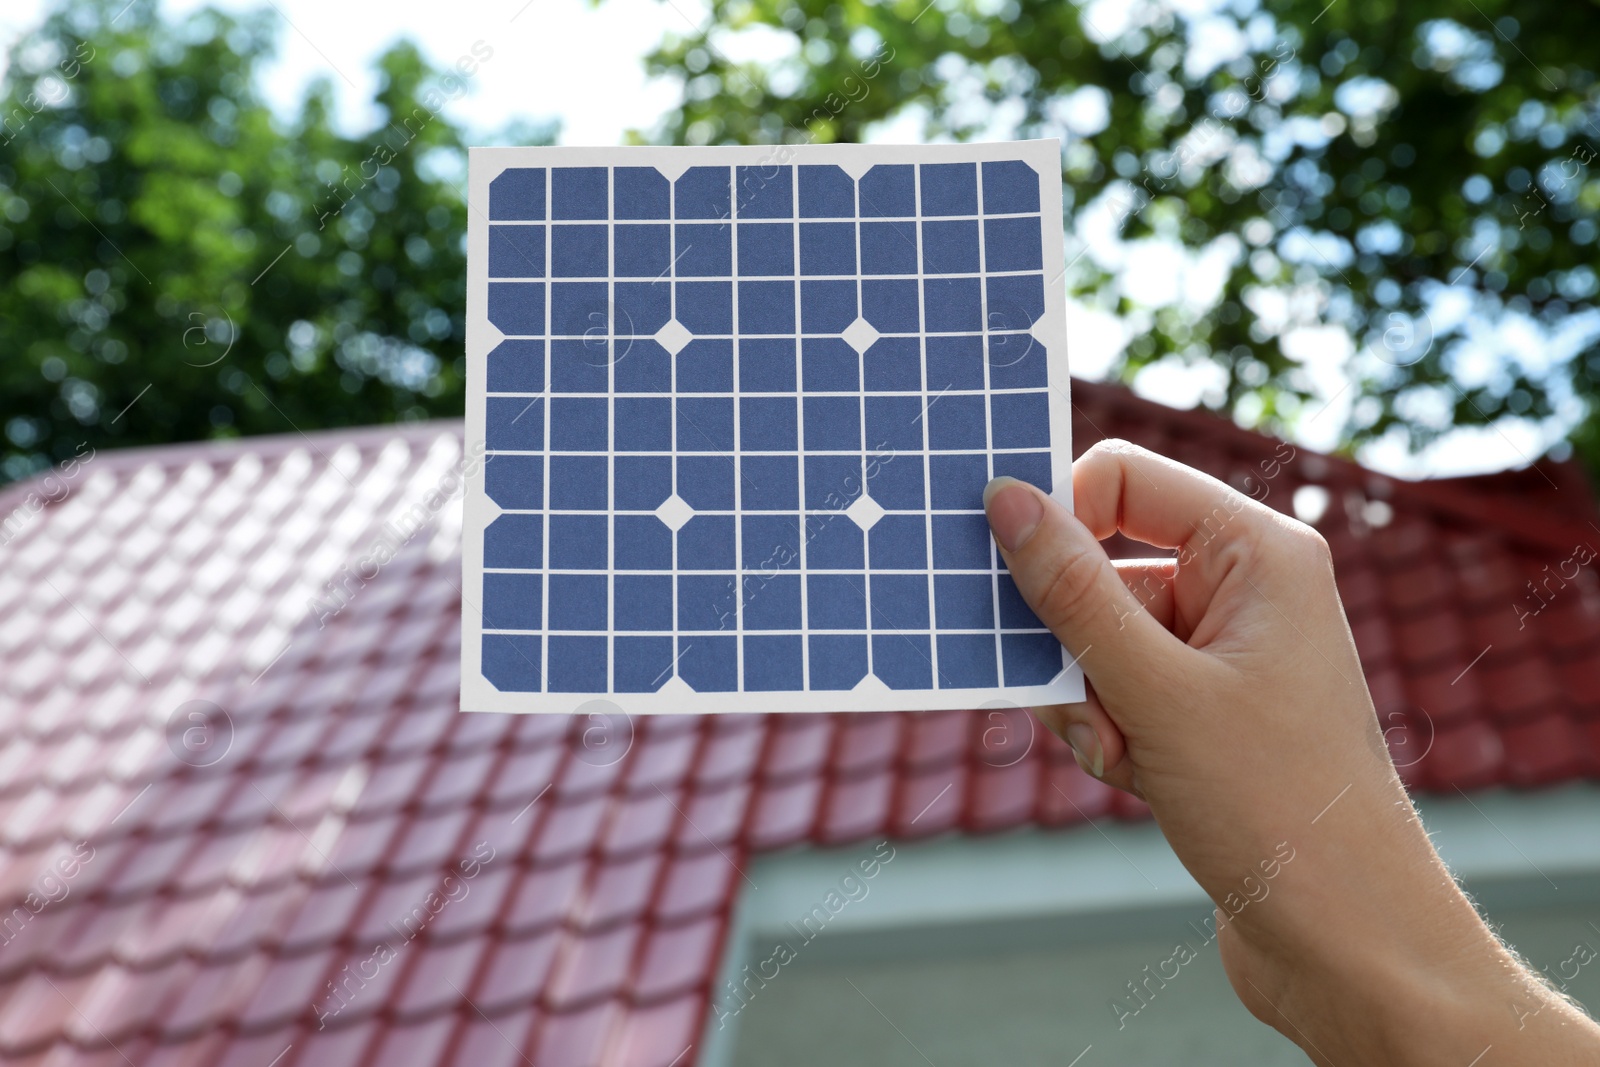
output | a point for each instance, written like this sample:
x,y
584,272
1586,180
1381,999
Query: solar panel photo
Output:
x,y
736,408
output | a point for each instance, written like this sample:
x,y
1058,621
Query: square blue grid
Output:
x,y
701,375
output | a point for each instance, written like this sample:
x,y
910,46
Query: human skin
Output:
x,y
1224,690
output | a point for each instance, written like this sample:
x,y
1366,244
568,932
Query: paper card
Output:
x,y
736,408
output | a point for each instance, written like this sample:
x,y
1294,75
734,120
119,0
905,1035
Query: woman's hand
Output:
x,y
1225,690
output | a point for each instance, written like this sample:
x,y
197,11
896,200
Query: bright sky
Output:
x,y
582,63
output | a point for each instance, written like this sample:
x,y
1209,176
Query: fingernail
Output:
x,y
1086,747
1014,511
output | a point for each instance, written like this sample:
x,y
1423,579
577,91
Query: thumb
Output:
x,y
1071,584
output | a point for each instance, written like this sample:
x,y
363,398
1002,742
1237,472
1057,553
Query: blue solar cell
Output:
x,y
640,366
515,424
1009,186
899,542
767,424
956,422
516,251
832,482
891,306
709,664
1020,420
899,601
1016,301
903,661
578,192
766,192
958,481
640,193
1030,467
827,248
955,305
1012,244
838,661
644,543
967,661
893,364
827,306
767,365
770,483
774,662
643,482
705,307
834,542
962,601
769,543
579,309
642,251
578,542
836,601
955,362
833,423
579,483
640,601
517,193
702,251
772,602
515,481
706,543
513,601
642,663
950,247
517,307
705,424
578,602
766,248
706,366
826,192
1031,659
578,424
960,542
707,602
514,541
766,307
641,308
702,193
644,424
577,664
579,252
889,190
511,662
949,188
517,367
706,482
579,365
831,366
894,423
895,480
888,248
1017,361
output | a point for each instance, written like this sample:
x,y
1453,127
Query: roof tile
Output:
x,y
601,870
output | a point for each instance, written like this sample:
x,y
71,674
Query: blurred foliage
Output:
x,y
164,240
1420,175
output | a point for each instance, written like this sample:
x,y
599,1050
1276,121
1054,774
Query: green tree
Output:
x,y
1360,156
165,243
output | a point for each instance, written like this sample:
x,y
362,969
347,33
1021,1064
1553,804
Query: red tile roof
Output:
x,y
364,875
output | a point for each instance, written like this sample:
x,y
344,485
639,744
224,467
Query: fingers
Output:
x,y
1065,576
1119,486
1150,581
1095,740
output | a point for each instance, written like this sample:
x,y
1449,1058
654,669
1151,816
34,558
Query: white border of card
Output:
x,y
477,693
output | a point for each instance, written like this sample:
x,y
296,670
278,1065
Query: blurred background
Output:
x,y
1366,226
